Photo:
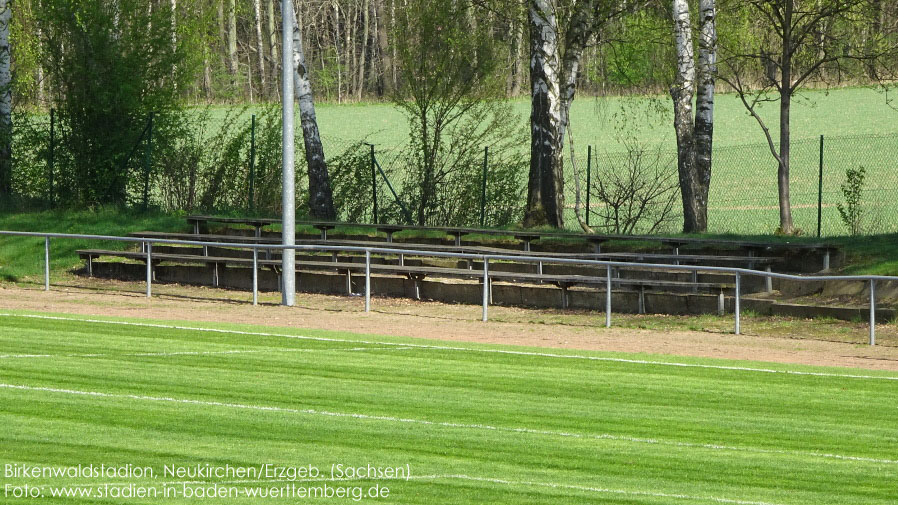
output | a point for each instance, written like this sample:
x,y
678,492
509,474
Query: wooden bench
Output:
x,y
415,273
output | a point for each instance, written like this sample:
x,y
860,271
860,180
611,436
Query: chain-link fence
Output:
x,y
232,164
744,195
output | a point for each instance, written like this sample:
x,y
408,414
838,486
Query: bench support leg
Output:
x,y
768,281
564,300
349,282
526,246
90,266
389,237
720,303
417,289
826,260
676,251
458,241
597,247
641,302
695,281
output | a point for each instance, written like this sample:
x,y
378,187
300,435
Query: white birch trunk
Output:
x,y
257,13
321,202
704,108
232,37
273,40
682,93
545,204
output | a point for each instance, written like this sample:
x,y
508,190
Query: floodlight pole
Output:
x,y
288,232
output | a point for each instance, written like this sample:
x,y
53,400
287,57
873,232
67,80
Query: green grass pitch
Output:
x,y
468,423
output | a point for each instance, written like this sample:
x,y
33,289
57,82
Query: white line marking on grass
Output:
x,y
197,353
444,424
462,349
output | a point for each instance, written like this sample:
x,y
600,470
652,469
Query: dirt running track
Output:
x,y
443,322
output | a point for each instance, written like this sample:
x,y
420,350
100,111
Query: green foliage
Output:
x,y
112,63
450,90
851,211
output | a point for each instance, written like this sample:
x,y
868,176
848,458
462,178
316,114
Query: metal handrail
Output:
x,y
736,271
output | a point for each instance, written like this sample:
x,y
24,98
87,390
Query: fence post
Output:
x,y
255,275
147,162
149,269
588,180
738,308
252,163
46,263
368,280
486,286
374,182
486,154
820,190
872,312
51,155
608,299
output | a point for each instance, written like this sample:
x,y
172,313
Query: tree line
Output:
x,y
448,65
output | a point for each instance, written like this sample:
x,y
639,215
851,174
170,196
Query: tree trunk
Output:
x,y
544,203
785,108
5,103
383,47
273,42
257,13
704,112
232,38
321,200
361,63
682,93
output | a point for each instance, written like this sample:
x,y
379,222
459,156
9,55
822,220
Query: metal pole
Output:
x,y
486,154
149,247
52,155
374,183
486,286
367,281
872,312
738,308
288,231
588,179
147,162
820,190
255,275
252,163
608,299
46,263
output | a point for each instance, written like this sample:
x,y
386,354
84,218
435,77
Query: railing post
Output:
x,y
149,269
46,263
255,275
738,308
486,286
608,298
367,280
872,312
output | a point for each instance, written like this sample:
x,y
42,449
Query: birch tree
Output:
x,y
694,136
5,102
559,33
801,42
321,198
